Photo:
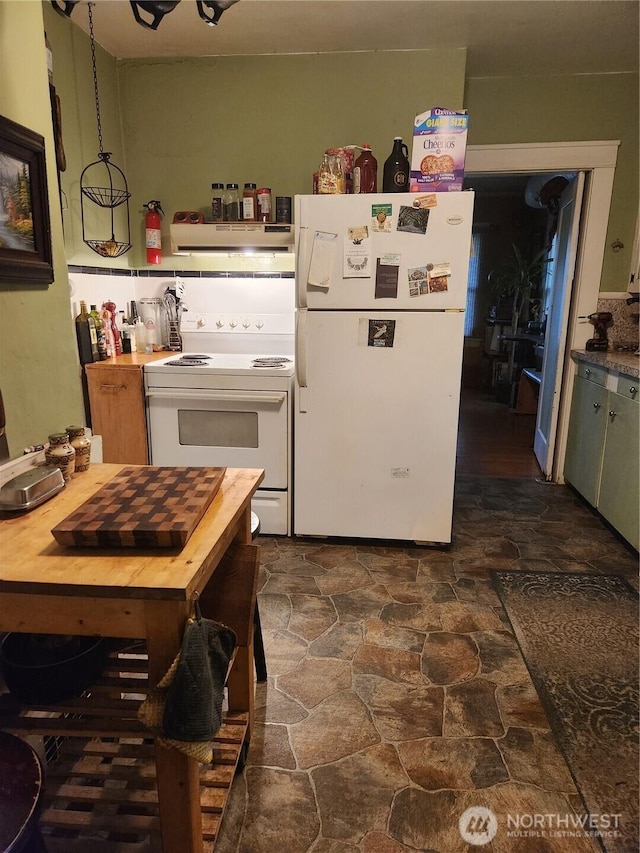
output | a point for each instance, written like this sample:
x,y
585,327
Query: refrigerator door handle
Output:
x,y
301,275
301,348
301,359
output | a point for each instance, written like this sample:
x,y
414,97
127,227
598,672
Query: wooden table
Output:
x,y
48,588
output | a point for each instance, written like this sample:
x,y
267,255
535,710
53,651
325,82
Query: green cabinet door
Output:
x,y
618,501
585,439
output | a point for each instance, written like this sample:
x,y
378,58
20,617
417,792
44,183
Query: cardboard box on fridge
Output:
x,y
439,146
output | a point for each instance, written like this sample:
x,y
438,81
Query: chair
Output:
x,y
22,787
258,643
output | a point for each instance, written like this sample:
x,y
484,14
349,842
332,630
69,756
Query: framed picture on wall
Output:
x,y
25,232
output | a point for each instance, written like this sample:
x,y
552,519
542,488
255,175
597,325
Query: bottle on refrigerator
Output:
x,y
86,335
365,172
395,174
331,175
100,334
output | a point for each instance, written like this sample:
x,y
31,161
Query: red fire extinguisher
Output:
x,y
152,225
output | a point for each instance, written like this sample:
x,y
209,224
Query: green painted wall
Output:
x,y
39,371
73,80
565,109
268,119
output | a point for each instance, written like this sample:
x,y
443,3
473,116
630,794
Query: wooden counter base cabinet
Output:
x,y
118,412
112,789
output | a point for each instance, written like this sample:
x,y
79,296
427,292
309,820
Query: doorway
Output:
x,y
597,160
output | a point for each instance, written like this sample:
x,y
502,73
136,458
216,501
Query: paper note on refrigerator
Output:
x,y
322,254
356,259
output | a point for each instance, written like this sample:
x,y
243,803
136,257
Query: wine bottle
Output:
x,y
86,336
100,334
395,174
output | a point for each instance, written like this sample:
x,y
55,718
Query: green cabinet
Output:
x,y
602,457
619,499
585,439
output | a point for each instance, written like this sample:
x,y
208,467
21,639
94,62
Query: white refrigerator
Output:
x,y
381,289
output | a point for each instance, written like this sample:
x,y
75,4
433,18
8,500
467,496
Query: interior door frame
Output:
x,y
598,160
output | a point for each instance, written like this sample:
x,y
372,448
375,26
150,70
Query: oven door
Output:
x,y
220,428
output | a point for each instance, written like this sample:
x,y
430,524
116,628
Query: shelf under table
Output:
x,y
100,791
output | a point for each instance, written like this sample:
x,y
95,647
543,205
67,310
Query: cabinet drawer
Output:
x,y
593,373
629,387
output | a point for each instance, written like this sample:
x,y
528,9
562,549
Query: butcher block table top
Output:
x,y
31,560
46,587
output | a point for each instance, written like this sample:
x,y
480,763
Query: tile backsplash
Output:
x,y
258,292
623,330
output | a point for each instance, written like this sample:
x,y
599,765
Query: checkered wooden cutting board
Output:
x,y
141,508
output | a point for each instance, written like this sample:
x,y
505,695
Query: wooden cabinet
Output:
x,y
118,412
602,460
618,500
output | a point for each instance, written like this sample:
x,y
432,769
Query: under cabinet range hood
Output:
x,y
231,238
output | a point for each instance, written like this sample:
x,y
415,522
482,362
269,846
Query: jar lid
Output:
x,y
72,430
59,438
249,186
217,186
232,186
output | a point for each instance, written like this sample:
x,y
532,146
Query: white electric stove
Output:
x,y
226,400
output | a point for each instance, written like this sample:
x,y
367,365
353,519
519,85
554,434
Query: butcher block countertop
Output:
x,y
132,360
32,561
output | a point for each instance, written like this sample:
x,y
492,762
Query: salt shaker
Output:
x,y
62,454
82,446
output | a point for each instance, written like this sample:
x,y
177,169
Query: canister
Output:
x,y
283,208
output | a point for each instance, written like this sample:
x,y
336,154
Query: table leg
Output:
x,y
177,775
230,597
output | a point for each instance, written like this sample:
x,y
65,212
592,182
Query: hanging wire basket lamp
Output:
x,y
104,184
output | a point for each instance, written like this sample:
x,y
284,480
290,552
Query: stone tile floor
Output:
x,y
397,696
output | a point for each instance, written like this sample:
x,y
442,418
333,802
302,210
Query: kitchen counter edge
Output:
x,y
622,362
134,359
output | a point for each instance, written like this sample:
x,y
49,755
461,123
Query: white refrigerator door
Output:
x,y
376,428
447,241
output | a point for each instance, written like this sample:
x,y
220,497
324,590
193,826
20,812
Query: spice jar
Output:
x,y
249,203
61,453
264,204
217,202
82,446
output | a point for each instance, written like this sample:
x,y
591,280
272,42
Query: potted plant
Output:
x,y
518,279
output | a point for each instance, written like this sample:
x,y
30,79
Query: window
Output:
x,y
470,319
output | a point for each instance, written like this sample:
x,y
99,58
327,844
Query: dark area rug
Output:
x,y
578,634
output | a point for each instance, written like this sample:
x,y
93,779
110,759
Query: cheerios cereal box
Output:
x,y
439,145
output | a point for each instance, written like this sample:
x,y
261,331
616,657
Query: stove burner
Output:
x,y
194,355
192,361
276,365
275,360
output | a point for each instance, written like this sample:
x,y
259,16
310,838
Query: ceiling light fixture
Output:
x,y
209,10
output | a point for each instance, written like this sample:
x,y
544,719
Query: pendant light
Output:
x,y
103,184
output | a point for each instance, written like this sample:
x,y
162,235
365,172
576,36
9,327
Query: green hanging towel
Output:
x,y
193,706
